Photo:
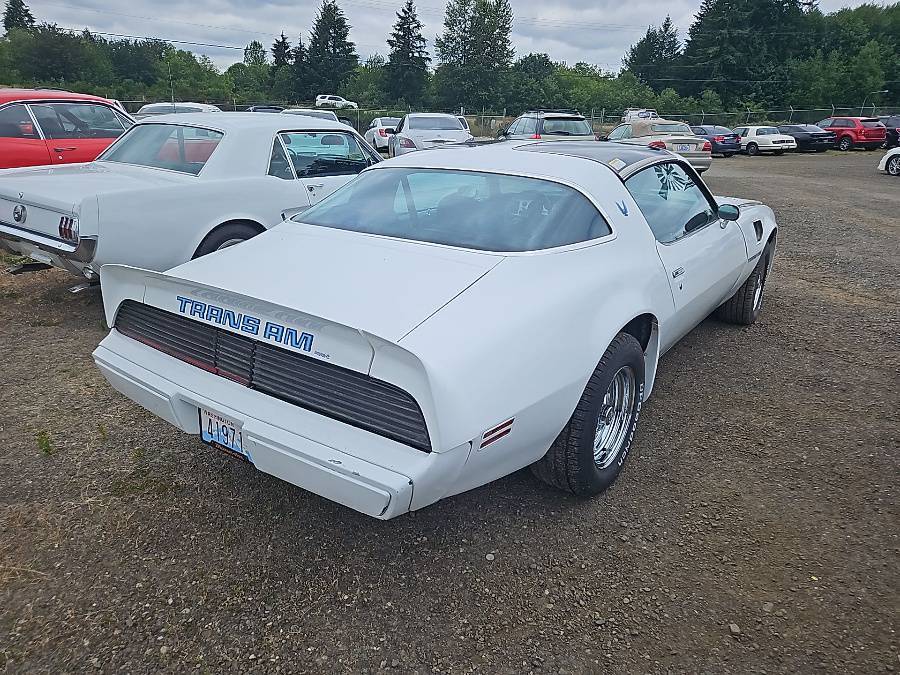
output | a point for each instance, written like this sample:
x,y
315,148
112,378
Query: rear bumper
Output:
x,y
721,148
73,258
868,143
368,473
824,144
700,162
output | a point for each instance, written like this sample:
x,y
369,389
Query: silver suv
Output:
x,y
557,125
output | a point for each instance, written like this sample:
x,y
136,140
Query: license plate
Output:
x,y
222,433
683,147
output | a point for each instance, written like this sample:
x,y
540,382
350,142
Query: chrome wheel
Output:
x,y
893,166
229,242
758,293
615,418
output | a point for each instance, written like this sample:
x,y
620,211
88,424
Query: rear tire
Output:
x,y
845,143
744,307
589,452
752,149
225,236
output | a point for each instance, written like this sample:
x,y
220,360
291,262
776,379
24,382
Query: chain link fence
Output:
x,y
487,123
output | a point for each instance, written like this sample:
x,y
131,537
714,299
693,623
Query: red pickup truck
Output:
x,y
47,126
855,132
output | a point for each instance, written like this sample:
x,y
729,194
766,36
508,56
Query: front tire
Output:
x,y
225,236
752,149
845,144
893,166
744,307
589,452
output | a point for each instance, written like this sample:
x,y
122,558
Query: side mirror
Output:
x,y
602,137
390,131
502,132
729,212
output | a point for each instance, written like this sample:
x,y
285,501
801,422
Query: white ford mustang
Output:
x,y
174,187
445,319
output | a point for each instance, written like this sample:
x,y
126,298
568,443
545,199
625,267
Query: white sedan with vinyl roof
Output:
x,y
445,319
176,187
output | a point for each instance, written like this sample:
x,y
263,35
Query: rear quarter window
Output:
x,y
165,146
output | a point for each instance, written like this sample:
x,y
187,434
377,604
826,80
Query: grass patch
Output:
x,y
44,444
139,483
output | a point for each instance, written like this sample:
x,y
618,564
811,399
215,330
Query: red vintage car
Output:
x,y
48,126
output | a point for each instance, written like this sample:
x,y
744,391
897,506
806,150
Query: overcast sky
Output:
x,y
595,31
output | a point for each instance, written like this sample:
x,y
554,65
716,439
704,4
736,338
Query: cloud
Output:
x,y
594,31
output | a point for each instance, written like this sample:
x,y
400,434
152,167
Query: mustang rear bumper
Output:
x,y
71,257
356,468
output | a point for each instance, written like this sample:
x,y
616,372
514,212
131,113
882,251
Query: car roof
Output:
x,y
240,121
562,160
647,124
8,94
426,114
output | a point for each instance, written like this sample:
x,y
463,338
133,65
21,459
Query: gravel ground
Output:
x,y
755,528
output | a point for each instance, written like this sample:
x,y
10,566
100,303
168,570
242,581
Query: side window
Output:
x,y
78,120
399,126
514,127
617,133
279,164
671,202
824,124
15,122
529,126
324,153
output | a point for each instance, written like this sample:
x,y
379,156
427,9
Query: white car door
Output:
x,y
703,255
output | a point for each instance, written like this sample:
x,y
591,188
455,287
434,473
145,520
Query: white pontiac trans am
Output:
x,y
175,187
445,319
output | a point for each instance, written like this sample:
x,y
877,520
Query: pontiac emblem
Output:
x,y
21,195
20,213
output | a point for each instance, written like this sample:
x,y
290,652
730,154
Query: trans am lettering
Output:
x,y
246,323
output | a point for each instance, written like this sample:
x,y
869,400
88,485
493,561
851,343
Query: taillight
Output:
x,y
707,146
407,143
382,133
719,139
68,228
535,137
737,139
659,145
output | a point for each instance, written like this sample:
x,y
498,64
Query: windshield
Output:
x,y
165,146
468,209
324,153
558,126
671,128
434,123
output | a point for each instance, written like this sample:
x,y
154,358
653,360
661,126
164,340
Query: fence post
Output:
x,y
602,116
791,117
747,120
702,117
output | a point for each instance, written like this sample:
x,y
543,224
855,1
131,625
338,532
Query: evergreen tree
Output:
x,y
452,45
408,59
300,58
255,54
17,15
331,56
281,51
654,57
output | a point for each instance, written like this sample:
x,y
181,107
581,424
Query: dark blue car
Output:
x,y
723,140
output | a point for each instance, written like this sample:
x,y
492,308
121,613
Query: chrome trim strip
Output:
x,y
82,252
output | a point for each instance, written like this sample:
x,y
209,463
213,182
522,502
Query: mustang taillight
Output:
x,y
68,228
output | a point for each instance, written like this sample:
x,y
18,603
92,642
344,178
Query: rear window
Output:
x,y
318,114
767,131
165,146
434,123
674,128
555,126
468,209
722,130
872,123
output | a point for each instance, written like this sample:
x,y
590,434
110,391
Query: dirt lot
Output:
x,y
761,492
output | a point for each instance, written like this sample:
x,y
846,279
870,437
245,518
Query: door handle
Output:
x,y
677,273
314,186
63,149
